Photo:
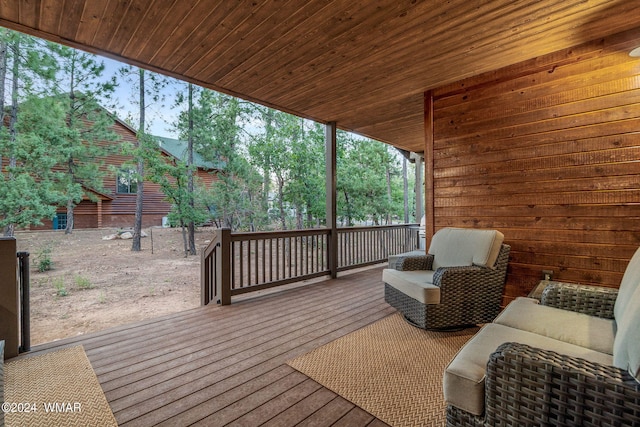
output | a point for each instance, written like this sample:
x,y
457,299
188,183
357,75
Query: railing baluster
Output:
x,y
278,258
289,254
234,264
271,260
294,255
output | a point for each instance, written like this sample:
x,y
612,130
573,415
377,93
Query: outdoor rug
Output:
x,y
390,369
55,389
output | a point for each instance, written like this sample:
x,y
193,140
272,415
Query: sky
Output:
x,y
159,117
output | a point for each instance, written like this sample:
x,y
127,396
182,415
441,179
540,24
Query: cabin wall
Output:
x,y
120,211
547,152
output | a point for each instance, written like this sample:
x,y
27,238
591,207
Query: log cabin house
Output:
x,y
115,206
527,114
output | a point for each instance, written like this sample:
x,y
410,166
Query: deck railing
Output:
x,y
236,263
362,246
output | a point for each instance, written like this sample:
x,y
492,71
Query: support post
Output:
x,y
419,185
430,220
9,297
332,198
223,281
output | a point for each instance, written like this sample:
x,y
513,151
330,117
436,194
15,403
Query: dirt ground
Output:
x,y
95,284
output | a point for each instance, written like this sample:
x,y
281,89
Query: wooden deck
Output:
x,y
227,365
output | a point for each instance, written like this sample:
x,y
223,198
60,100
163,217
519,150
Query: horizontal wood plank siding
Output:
x,y
547,152
125,204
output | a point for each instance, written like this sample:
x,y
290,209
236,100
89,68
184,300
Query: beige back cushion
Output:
x,y
626,345
465,246
628,286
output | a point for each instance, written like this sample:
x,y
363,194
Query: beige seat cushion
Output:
x,y
463,382
416,284
563,325
465,246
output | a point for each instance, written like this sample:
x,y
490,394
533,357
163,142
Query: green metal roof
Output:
x,y
178,149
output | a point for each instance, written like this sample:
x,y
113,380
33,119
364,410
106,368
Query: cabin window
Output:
x,y
127,181
60,221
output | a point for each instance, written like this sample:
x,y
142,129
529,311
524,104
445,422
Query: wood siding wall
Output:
x,y
125,204
547,151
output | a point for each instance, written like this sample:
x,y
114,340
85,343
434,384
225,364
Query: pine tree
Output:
x,y
88,125
26,196
149,92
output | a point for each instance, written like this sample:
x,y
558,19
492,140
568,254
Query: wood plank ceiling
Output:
x,y
360,63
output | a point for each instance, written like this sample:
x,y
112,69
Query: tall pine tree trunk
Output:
x,y
3,77
191,226
137,226
299,218
184,239
70,219
388,173
405,180
70,124
13,119
283,219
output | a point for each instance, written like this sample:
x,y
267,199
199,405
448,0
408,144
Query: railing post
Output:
x,y
25,302
205,276
223,281
332,199
9,297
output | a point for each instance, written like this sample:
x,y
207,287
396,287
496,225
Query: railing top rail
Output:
x,y
256,235
378,227
215,239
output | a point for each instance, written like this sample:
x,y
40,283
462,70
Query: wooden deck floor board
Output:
x,y
196,347
272,407
193,381
302,410
212,400
227,365
355,417
329,414
239,356
225,323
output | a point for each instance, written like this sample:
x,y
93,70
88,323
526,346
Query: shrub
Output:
x,y
43,259
61,290
83,282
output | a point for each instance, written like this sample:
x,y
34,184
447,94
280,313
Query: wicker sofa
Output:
x,y
570,359
459,282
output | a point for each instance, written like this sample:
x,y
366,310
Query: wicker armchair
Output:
x,y
449,296
592,300
530,386
527,386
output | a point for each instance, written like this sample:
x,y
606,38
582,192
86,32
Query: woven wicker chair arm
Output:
x,y
531,386
592,300
414,262
448,277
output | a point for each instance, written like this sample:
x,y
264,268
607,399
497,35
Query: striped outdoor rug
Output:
x,y
55,389
389,368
